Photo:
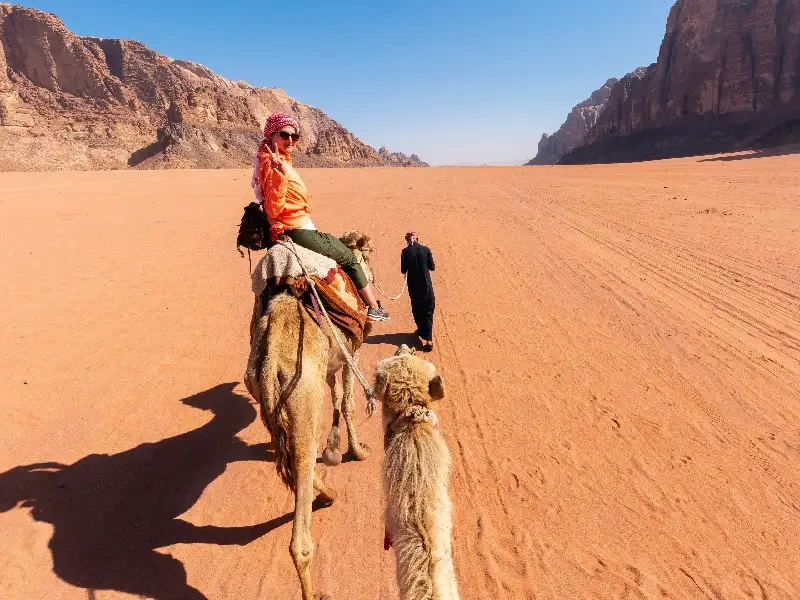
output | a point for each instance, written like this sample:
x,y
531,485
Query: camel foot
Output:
x,y
323,597
359,451
332,457
252,387
324,500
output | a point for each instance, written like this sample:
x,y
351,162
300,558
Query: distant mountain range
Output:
x,y
71,102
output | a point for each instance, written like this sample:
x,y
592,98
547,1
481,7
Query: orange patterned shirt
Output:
x,y
285,195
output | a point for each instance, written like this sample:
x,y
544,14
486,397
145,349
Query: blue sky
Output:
x,y
455,82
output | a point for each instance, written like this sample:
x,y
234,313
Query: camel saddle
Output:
x,y
279,271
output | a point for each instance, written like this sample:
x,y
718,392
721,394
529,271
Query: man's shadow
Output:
x,y
395,339
111,512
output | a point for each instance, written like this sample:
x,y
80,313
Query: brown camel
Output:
x,y
292,359
416,471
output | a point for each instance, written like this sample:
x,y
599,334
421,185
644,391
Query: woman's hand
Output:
x,y
276,161
276,230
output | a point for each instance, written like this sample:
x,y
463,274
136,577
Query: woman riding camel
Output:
x,y
285,200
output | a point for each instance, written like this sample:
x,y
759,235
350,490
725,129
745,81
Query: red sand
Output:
x,y
621,346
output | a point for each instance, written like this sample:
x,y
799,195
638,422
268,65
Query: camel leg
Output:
x,y
356,449
327,495
332,456
258,350
302,544
304,458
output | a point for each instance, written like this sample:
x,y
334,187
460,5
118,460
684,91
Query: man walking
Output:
x,y
416,261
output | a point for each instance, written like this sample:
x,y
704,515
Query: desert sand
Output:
x,y
621,346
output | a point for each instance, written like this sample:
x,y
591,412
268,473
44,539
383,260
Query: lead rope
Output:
x,y
368,391
380,289
360,261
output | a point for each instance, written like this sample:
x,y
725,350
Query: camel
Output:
x,y
416,470
291,361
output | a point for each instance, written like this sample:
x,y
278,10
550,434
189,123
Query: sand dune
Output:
x,y
621,346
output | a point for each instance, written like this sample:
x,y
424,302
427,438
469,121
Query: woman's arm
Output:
x,y
274,185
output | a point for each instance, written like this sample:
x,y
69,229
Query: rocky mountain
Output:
x,y
71,102
579,121
398,159
727,78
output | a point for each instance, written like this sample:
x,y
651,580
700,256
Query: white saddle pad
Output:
x,y
280,261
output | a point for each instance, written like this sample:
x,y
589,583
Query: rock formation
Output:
x,y
399,159
71,102
727,78
579,121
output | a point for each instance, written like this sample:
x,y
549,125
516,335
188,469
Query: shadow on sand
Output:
x,y
764,153
395,340
111,512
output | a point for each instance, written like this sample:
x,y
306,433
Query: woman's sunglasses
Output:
x,y
285,135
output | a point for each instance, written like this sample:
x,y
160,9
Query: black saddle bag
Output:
x,y
253,230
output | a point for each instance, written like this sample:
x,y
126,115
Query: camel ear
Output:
x,y
381,382
436,388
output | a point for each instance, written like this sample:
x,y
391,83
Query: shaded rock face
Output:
x,y
70,102
578,124
727,78
579,121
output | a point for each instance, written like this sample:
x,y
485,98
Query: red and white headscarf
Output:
x,y
275,122
278,120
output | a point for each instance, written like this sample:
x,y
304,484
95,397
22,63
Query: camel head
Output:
x,y
355,240
361,245
405,379
225,404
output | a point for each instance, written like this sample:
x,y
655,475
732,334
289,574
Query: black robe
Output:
x,y
416,261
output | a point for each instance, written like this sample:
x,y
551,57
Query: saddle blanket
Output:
x,y
280,264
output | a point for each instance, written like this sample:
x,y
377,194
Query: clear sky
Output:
x,y
456,82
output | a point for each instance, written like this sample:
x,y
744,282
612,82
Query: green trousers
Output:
x,y
332,247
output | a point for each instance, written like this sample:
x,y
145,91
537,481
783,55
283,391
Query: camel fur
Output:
x,y
292,360
416,472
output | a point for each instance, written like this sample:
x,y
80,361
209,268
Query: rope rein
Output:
x,y
380,289
368,391
360,261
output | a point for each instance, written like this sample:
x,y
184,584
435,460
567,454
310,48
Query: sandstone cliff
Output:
x,y
571,133
579,121
727,78
71,102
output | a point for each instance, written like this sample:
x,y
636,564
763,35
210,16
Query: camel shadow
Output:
x,y
111,512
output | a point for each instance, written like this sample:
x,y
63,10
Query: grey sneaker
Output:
x,y
377,314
